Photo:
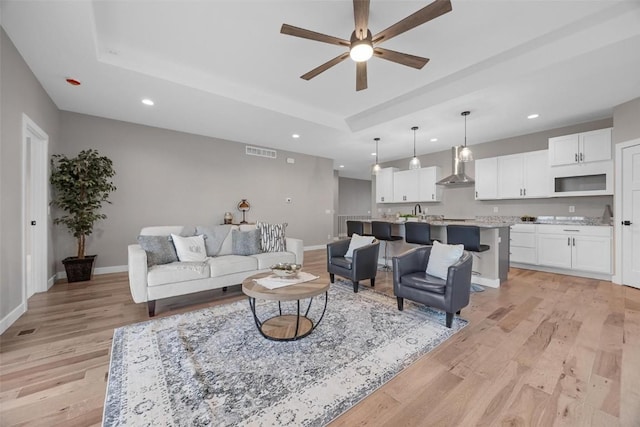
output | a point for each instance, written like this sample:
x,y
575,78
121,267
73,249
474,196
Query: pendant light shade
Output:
x,y
415,162
376,168
465,154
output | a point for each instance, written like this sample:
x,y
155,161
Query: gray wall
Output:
x,y
354,197
20,93
172,178
626,121
460,203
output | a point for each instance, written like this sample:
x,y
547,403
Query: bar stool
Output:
x,y
381,230
417,232
356,227
469,236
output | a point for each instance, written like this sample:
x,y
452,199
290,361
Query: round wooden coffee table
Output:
x,y
285,327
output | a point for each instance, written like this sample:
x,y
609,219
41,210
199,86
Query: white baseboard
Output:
x,y
586,274
51,281
98,271
12,317
484,281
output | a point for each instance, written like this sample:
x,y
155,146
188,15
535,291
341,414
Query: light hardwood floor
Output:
x,y
543,350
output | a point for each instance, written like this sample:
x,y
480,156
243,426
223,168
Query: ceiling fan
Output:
x,y
363,45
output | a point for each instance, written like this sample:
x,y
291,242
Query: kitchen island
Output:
x,y
492,266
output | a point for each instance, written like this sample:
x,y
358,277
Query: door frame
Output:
x,y
617,212
35,186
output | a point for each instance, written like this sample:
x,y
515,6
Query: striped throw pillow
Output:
x,y
272,237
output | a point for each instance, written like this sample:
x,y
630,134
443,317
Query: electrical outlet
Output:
x,y
495,209
572,209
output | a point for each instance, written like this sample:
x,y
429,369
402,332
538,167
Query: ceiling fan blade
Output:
x,y
361,75
324,67
312,35
361,17
401,58
427,13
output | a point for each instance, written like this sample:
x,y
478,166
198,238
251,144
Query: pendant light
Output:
x,y
376,168
465,154
415,162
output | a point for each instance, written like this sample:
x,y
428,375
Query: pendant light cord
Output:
x,y
414,129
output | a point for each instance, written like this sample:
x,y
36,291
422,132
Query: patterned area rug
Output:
x,y
213,368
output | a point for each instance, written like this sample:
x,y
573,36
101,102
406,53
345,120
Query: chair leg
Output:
x,y
356,284
458,312
224,289
400,303
151,306
373,282
449,319
332,277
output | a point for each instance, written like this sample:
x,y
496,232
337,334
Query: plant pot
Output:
x,y
79,270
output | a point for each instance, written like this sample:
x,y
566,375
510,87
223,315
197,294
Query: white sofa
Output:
x,y
149,284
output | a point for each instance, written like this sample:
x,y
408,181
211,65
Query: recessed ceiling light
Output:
x,y
533,116
295,135
341,166
434,139
147,101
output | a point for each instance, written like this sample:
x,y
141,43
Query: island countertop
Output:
x,y
444,223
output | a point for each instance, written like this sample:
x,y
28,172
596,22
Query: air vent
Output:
x,y
261,152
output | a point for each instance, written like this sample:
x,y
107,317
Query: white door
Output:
x,y
35,209
536,174
510,177
631,216
554,250
487,178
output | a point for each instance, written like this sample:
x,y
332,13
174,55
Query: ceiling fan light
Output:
x,y
361,50
465,155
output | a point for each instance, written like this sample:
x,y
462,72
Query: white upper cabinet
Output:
x,y
486,178
523,175
429,191
406,186
585,147
384,185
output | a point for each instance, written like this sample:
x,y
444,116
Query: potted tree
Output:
x,y
81,184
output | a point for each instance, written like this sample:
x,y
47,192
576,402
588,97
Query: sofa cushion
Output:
x,y
424,282
214,237
267,259
189,248
342,262
272,237
227,245
442,257
246,242
229,264
177,272
159,249
356,242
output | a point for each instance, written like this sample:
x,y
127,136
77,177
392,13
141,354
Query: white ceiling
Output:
x,y
222,69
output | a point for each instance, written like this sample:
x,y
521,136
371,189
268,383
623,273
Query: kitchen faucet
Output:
x,y
417,208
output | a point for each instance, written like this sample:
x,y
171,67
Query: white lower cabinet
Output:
x,y
582,248
523,244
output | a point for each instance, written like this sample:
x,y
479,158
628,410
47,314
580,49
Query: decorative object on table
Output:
x,y
243,207
285,269
465,154
228,218
414,163
177,369
81,185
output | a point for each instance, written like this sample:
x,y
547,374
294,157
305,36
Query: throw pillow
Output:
x,y
442,257
159,249
213,237
189,248
272,237
246,242
358,241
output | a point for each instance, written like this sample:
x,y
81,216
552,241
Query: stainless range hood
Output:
x,y
458,177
